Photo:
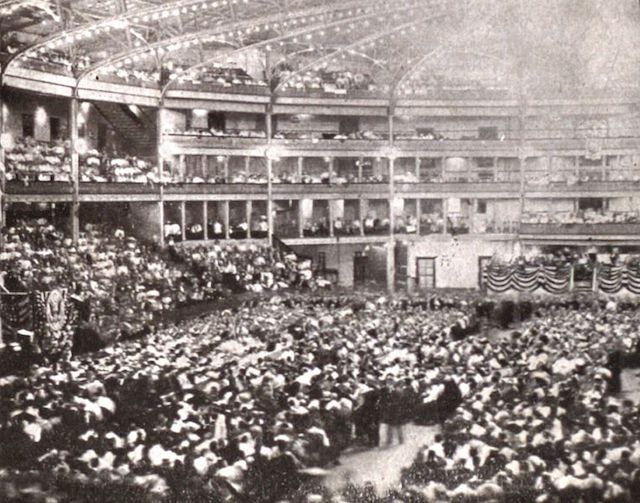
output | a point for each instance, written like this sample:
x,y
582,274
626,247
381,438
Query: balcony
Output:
x,y
94,191
590,233
203,143
199,191
581,229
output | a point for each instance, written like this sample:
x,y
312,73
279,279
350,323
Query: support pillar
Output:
x,y
331,216
205,220
227,231
3,171
160,162
247,217
269,124
75,169
161,217
205,167
391,244
183,220
300,168
2,189
391,265
300,219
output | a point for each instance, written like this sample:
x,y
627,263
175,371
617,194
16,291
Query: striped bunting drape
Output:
x,y
501,278
556,279
16,314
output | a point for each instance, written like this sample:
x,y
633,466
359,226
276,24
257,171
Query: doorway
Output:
x,y
360,268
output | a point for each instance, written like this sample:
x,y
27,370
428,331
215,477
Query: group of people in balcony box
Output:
x,y
216,230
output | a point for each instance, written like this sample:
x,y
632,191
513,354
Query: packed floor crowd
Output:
x,y
128,283
249,403
541,420
230,405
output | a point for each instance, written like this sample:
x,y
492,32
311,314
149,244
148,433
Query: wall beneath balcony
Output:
x,y
145,220
340,257
457,259
138,219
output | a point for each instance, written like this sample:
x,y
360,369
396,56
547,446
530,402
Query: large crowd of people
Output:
x,y
30,161
541,420
127,283
336,82
239,404
250,403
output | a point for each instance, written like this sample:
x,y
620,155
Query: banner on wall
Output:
x,y
53,322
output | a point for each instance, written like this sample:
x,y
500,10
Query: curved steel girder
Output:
x,y
439,49
279,38
423,59
357,43
124,16
242,25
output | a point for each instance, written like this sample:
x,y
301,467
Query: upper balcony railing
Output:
x,y
582,223
194,142
581,229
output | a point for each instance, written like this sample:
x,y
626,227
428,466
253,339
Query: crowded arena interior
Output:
x,y
358,251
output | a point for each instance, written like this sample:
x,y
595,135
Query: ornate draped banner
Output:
x,y
527,278
53,322
557,279
613,278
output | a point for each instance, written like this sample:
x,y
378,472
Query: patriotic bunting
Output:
x,y
16,314
613,278
501,278
557,279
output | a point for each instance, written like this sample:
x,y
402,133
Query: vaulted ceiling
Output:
x,y
402,45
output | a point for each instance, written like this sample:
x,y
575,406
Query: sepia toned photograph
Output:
x,y
320,251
